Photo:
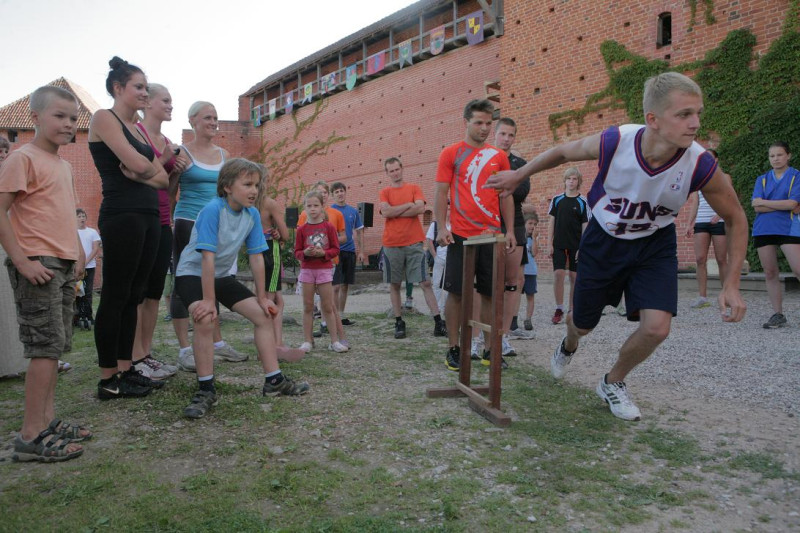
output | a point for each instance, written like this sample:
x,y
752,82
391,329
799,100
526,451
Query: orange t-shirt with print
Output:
x,y
473,209
402,231
336,219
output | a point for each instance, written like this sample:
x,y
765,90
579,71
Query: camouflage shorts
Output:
x,y
44,312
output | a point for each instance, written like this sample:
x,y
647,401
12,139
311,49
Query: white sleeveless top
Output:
x,y
704,211
629,199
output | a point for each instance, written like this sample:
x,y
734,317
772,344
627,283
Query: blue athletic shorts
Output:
x,y
646,270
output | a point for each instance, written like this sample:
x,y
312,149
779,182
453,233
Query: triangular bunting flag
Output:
x,y
405,53
308,92
475,27
437,40
351,76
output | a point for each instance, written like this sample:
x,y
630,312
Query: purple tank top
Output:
x,y
163,194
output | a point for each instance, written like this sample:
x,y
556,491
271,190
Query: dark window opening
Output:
x,y
664,36
12,136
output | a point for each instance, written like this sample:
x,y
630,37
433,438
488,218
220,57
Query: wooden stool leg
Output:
x,y
467,303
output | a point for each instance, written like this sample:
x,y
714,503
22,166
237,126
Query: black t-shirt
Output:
x,y
570,214
519,195
120,194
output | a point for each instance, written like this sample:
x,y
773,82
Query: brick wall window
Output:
x,y
12,136
664,32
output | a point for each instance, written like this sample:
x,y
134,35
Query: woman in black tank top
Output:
x,y
129,226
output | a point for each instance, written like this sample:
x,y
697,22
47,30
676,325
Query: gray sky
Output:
x,y
192,47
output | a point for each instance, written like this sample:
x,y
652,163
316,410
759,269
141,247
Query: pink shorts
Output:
x,y
316,276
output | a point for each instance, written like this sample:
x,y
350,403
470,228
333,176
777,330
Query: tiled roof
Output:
x,y
16,115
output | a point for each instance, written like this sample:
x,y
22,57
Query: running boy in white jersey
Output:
x,y
645,175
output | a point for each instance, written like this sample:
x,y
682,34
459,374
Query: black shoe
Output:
x,y
202,401
317,333
348,322
119,388
399,329
453,359
135,377
486,361
440,329
286,387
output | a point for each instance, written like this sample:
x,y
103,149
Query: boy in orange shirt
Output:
x,y
39,232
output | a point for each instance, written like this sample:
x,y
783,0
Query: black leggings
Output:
x,y
130,244
183,232
155,282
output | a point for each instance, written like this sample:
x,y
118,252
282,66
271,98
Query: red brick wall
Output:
x,y
549,46
412,113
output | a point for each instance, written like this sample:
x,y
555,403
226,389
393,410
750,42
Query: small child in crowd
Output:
x,y
203,276
316,245
39,232
530,269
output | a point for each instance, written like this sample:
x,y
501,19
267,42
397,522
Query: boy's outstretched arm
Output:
x,y
581,150
723,200
33,271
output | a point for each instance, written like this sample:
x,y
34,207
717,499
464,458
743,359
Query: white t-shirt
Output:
x,y
88,237
441,251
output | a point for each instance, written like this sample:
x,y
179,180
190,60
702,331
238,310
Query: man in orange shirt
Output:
x,y
403,255
463,169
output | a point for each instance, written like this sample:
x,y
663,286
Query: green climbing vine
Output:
x,y
747,107
709,13
285,159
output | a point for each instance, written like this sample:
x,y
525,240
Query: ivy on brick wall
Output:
x,y
746,108
285,158
708,14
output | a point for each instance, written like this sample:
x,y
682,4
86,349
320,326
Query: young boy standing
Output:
x,y
345,273
531,269
568,219
645,175
202,277
39,233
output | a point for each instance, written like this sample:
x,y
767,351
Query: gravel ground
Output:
x,y
703,356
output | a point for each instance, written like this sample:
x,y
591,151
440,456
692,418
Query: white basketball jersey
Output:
x,y
629,199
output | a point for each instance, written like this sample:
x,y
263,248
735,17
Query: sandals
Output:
x,y
48,447
68,431
200,405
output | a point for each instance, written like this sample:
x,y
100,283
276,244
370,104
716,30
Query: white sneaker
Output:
x,y
186,360
700,302
306,347
560,360
227,353
477,347
508,350
338,347
616,396
172,369
521,334
150,368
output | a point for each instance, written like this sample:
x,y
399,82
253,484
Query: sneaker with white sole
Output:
x,y
476,349
306,347
521,334
776,321
507,349
700,302
338,347
561,358
616,396
227,353
186,360
150,368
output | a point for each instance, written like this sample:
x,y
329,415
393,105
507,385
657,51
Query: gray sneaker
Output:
x,y
287,387
521,334
775,321
152,369
201,403
561,358
227,353
186,361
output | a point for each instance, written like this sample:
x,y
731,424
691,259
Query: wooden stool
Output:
x,y
488,408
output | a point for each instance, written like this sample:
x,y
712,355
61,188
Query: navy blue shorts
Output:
x,y
645,269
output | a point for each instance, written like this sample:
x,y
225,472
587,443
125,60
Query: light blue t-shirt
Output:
x,y
531,268
221,230
198,185
786,188
352,220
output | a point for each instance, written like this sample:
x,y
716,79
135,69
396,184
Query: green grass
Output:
x,y
365,451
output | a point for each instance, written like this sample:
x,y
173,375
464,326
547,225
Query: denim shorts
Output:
x,y
44,312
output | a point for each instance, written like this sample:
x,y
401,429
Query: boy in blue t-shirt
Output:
x,y
531,269
202,277
345,273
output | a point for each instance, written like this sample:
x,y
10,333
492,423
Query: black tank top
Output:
x,y
120,194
